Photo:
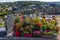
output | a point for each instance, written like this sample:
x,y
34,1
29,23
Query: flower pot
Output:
x,y
37,33
47,36
47,30
17,34
27,35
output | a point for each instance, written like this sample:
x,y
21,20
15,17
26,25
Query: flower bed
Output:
x,y
28,27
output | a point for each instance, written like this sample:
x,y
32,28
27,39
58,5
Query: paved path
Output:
x,y
58,20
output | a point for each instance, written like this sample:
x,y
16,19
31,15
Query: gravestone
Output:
x,y
9,24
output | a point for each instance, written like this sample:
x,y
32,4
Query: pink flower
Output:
x,y
47,30
36,32
28,35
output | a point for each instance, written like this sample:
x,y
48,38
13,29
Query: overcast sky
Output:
x,y
30,0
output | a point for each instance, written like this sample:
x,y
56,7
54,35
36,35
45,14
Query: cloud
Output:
x,y
8,0
50,0
30,0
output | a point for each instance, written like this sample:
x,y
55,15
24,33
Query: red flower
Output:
x,y
49,20
39,24
17,33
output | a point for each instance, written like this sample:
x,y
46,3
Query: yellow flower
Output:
x,y
2,24
43,20
53,20
27,19
37,19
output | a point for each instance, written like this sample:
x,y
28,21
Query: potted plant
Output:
x,y
36,30
17,33
17,25
27,30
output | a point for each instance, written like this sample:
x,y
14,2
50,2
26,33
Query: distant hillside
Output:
x,y
24,2
56,3
29,3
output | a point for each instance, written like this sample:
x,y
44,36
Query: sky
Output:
x,y
30,0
